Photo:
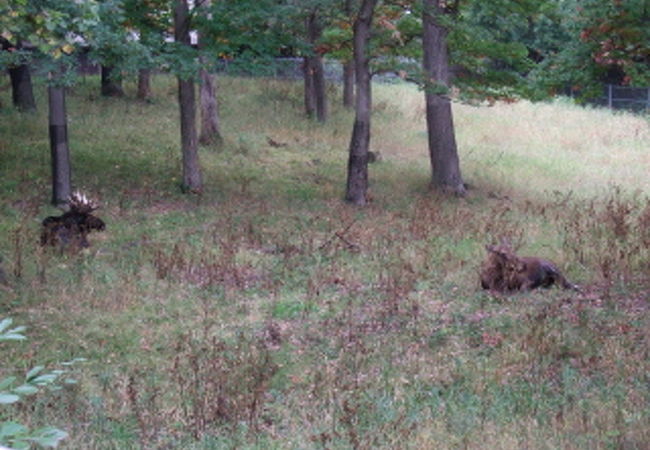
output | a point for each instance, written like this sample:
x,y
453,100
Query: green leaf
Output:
x,y
26,389
6,398
11,429
20,445
6,382
10,335
73,361
5,323
32,373
44,379
49,436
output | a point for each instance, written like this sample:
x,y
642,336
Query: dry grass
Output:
x,y
266,313
559,145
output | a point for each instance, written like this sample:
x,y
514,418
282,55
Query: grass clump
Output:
x,y
266,313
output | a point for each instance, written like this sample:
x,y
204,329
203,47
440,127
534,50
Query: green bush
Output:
x,y
13,434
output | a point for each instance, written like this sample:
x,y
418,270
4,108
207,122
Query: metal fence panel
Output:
x,y
626,97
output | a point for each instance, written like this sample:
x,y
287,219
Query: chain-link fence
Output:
x,y
625,97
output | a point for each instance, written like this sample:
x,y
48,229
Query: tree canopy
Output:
x,y
526,47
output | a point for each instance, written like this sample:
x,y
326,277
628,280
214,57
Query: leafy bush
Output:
x,y
13,434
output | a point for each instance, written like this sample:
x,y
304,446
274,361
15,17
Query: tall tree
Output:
x,y
601,41
52,29
618,34
336,40
192,179
59,148
348,84
297,28
16,53
348,67
357,180
150,20
144,84
210,123
488,66
440,125
111,81
246,32
110,46
22,92
314,73
130,32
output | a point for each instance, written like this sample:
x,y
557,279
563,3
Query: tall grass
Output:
x,y
266,313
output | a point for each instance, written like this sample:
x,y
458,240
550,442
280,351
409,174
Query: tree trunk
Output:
x,y
310,96
440,125
315,87
192,180
111,82
61,170
144,84
320,89
210,130
348,69
210,123
22,92
348,84
357,182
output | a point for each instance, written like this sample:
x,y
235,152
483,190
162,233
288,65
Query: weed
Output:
x,y
269,314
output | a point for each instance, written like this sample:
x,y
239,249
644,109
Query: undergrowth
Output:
x,y
266,313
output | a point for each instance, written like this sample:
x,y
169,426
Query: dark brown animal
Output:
x,y
504,271
70,230
494,269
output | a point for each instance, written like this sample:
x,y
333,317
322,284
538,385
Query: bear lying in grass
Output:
x,y
70,230
504,271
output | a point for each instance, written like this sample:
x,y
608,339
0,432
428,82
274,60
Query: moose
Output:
x,y
504,271
70,230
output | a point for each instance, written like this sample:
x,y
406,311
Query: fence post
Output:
x,y
609,96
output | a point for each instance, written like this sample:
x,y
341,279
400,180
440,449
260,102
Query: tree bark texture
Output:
x,y
61,169
210,123
192,180
348,84
210,129
445,166
310,96
348,69
144,84
357,182
111,83
22,92
315,87
320,89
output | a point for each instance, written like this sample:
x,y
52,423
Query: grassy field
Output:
x,y
267,313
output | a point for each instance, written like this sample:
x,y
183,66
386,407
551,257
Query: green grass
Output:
x,y
266,313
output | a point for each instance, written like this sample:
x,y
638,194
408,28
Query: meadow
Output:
x,y
267,313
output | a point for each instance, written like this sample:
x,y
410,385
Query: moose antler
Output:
x,y
72,227
82,204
